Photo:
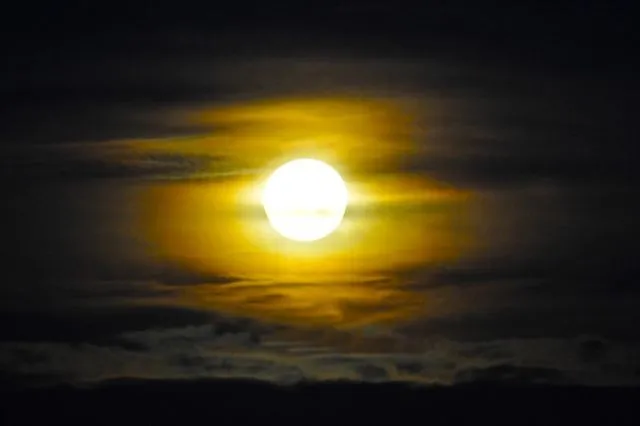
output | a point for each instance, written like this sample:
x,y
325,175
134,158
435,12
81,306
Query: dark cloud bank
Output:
x,y
133,345
218,370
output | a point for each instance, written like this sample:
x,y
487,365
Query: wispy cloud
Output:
x,y
62,163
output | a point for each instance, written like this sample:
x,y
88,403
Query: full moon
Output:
x,y
305,199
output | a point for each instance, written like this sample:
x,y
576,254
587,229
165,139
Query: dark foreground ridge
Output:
x,y
249,402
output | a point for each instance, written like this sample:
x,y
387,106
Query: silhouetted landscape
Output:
x,y
243,402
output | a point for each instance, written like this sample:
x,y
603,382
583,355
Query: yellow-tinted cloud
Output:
x,y
395,220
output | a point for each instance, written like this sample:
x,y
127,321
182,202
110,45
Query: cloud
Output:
x,y
219,349
501,319
223,334
232,348
80,114
177,276
95,324
512,169
64,164
505,373
74,284
593,349
476,272
372,372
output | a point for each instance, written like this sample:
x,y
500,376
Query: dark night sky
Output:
x,y
498,143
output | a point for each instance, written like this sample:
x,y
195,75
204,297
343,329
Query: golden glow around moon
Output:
x,y
305,199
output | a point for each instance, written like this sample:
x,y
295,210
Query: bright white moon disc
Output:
x,y
305,199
